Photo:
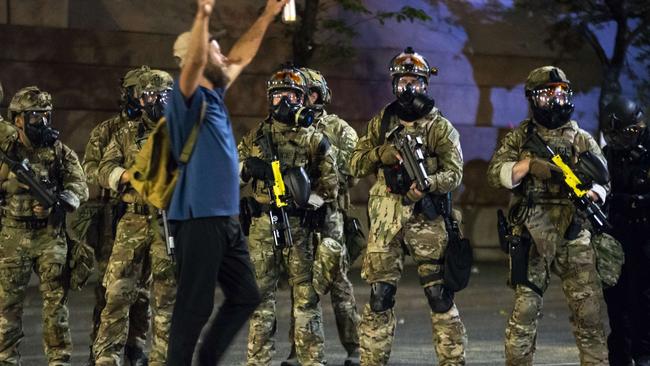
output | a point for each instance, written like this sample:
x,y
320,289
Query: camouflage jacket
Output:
x,y
568,141
343,139
120,154
58,166
444,164
100,137
296,147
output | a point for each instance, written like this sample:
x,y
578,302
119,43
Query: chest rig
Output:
x,y
563,142
47,164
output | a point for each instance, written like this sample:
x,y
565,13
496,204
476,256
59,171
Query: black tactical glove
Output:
x,y
257,168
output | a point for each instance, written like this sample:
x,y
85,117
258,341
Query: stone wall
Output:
x,y
79,49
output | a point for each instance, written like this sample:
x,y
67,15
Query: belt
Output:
x,y
29,223
139,209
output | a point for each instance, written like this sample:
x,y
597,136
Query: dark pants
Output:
x,y
210,250
628,303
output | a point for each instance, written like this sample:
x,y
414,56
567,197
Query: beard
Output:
x,y
216,75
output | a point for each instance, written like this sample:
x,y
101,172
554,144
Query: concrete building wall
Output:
x,y
79,49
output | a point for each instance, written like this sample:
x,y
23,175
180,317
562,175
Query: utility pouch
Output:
x,y
519,248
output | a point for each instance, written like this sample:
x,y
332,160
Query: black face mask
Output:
x,y
413,105
553,117
132,107
41,134
293,114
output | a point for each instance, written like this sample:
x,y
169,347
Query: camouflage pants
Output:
x,y
93,223
574,262
22,250
138,253
341,291
268,262
426,242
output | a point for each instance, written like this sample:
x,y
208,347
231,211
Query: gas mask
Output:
x,y
552,105
412,99
38,128
131,105
294,115
155,104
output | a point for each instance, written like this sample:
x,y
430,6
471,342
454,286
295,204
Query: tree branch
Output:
x,y
592,39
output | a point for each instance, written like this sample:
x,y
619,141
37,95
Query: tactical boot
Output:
x,y
292,360
352,359
135,356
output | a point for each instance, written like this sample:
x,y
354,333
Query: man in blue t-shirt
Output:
x,y
210,245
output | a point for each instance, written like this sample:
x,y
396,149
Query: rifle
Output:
x,y
410,148
26,175
579,188
277,195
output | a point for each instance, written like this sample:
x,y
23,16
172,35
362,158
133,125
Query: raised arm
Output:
x,y
196,57
245,49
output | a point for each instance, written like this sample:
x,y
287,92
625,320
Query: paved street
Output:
x,y
484,307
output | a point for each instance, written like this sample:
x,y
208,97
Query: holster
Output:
x,y
433,205
519,250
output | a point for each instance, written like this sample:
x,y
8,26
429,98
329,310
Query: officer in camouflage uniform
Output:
x,y
32,236
628,302
297,146
139,250
333,260
398,221
96,219
544,217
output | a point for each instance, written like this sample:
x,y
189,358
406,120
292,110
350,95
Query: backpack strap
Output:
x,y
188,148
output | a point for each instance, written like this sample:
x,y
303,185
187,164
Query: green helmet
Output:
x,y
30,98
545,75
316,82
152,81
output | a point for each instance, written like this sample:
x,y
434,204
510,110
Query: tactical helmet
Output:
x,y
410,62
132,78
550,96
623,125
129,98
153,81
316,83
545,75
287,78
30,98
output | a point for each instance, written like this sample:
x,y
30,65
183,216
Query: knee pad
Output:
x,y
440,299
382,296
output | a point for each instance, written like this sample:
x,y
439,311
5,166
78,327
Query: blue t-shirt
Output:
x,y
208,184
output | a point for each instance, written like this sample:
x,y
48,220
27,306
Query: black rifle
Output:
x,y
410,148
44,195
280,228
578,184
169,238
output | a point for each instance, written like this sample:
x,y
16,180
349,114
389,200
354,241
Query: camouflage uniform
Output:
x,y
28,241
138,252
95,223
302,147
549,216
395,227
344,139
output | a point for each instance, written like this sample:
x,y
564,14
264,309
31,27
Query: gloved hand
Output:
x,y
257,168
542,169
69,200
387,154
13,186
315,201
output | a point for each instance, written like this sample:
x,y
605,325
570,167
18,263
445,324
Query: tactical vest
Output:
x,y
47,163
292,148
137,134
564,141
629,176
